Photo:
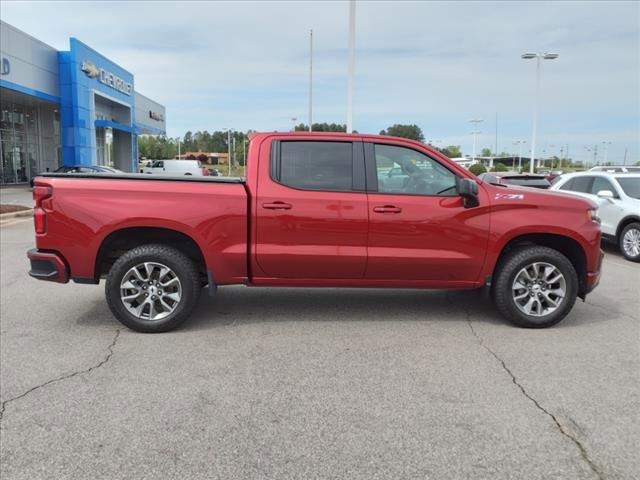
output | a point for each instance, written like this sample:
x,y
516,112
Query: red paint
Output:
x,y
315,238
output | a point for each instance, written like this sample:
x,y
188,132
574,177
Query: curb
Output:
x,y
20,213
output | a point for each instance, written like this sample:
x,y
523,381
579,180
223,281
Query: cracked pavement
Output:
x,y
299,383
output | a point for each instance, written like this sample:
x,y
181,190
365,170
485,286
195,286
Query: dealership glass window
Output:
x,y
403,170
316,165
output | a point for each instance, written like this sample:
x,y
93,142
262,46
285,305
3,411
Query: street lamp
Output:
x,y
606,150
228,130
538,57
178,139
520,142
474,132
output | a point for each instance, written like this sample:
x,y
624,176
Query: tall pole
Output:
x,y
495,147
178,147
535,118
351,66
229,150
624,162
244,153
234,150
475,122
310,78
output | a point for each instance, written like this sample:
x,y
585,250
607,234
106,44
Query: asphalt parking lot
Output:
x,y
299,383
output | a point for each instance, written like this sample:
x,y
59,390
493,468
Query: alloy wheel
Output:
x,y
150,291
539,289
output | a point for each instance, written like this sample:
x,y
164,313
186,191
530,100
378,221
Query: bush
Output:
x,y
499,167
477,169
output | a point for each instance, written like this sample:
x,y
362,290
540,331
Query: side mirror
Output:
x,y
606,194
468,190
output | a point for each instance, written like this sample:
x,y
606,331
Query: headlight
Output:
x,y
592,215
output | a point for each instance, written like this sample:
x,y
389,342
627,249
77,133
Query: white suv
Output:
x,y
618,197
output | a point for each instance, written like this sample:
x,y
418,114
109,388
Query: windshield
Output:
x,y
631,186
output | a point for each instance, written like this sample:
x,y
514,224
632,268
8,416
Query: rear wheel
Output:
x,y
630,242
152,288
535,287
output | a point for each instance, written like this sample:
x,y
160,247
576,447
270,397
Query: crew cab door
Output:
x,y
311,210
419,228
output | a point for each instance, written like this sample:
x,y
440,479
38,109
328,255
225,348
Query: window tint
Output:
x,y
600,184
406,171
158,164
631,186
578,184
316,165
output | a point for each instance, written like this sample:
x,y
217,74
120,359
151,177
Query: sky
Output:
x,y
245,65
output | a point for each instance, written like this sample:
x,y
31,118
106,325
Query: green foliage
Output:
x,y
322,127
157,147
413,132
486,152
477,169
499,167
451,151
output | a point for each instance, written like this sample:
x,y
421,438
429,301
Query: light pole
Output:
x,y
178,139
293,120
520,142
310,78
228,130
474,132
538,57
351,65
606,150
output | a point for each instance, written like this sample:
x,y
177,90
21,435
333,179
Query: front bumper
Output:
x,y
47,266
593,278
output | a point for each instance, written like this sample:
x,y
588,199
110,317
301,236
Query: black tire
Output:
x,y
628,255
183,267
506,273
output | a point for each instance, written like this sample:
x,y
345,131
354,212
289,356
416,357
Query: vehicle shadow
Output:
x,y
242,305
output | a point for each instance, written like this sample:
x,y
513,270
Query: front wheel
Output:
x,y
152,288
630,242
535,287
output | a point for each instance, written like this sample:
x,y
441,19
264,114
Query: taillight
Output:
x,y
40,194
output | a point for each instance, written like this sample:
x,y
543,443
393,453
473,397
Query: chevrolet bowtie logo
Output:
x,y
90,69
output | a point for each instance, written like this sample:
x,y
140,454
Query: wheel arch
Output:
x,y
624,222
124,239
569,247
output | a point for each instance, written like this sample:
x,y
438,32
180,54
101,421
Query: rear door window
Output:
x,y
578,184
600,184
315,165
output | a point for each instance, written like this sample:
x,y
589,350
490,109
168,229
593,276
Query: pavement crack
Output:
x,y
581,448
101,363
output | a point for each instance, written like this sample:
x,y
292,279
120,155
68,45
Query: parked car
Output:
x,y
82,169
616,169
618,196
514,178
176,167
311,212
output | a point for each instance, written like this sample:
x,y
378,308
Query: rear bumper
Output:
x,y
47,266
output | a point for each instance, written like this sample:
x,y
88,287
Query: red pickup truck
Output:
x,y
316,210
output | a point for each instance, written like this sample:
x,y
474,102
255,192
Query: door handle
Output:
x,y
277,206
387,209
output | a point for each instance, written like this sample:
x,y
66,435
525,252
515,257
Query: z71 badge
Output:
x,y
509,196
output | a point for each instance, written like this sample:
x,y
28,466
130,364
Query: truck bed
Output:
x,y
86,212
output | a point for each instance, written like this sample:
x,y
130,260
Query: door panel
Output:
x,y
420,234
307,233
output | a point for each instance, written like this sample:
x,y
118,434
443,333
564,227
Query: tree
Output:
x,y
322,127
413,132
451,151
486,152
477,169
499,167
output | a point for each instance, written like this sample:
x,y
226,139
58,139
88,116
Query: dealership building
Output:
x,y
73,107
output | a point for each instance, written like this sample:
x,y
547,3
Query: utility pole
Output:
x,y
495,147
310,78
293,120
624,162
474,132
178,147
234,150
352,62
538,57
